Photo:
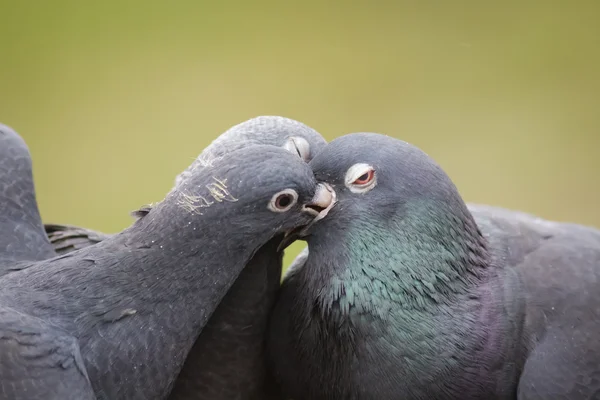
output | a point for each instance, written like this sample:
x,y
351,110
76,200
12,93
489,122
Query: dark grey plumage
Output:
x,y
22,236
39,361
68,238
227,361
132,306
407,293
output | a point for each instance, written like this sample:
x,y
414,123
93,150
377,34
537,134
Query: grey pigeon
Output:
x,y
227,361
116,320
407,293
22,236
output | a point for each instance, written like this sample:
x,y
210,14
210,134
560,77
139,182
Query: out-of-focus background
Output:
x,y
115,98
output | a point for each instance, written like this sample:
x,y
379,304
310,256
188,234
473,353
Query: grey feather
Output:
x,y
39,361
68,238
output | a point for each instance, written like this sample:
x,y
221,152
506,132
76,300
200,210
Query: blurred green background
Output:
x,y
115,98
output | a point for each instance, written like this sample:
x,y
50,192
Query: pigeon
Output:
x,y
407,292
227,361
22,235
116,320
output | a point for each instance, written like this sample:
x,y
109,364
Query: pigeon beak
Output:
x,y
321,203
319,206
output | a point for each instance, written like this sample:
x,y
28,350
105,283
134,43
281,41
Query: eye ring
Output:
x,y
361,178
283,201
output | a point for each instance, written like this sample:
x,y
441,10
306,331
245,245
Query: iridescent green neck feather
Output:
x,y
424,258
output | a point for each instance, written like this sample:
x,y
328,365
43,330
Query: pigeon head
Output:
x,y
291,135
252,193
397,215
377,177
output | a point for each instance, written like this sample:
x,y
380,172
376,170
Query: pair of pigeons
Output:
x,y
405,292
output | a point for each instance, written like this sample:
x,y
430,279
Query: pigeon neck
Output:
x,y
190,250
161,278
430,256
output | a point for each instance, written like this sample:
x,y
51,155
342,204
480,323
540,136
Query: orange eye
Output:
x,y
365,178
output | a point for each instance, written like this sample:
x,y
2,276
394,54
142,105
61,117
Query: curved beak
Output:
x,y
319,206
321,203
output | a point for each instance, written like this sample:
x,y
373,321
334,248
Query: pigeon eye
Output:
x,y
360,178
365,178
283,200
299,146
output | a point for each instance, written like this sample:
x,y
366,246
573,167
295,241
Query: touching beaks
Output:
x,y
319,206
321,202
